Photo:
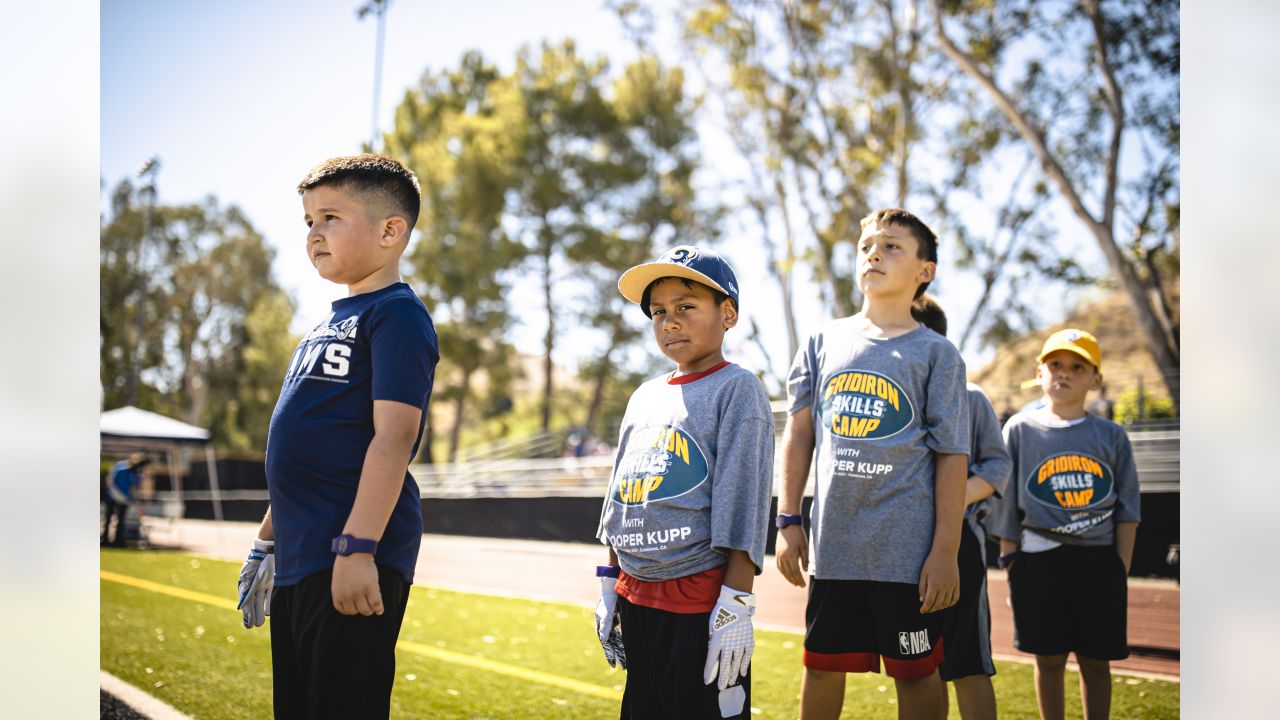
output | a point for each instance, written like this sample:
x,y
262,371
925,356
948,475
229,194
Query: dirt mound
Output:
x,y
1125,360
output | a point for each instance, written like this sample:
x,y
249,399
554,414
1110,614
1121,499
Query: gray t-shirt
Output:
x,y
1070,484
693,476
988,457
881,410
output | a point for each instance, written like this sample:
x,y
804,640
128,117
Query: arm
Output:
x,y
355,576
976,489
741,572
1126,534
940,575
266,531
797,452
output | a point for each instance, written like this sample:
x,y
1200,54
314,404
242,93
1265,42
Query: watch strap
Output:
x,y
348,544
786,520
608,571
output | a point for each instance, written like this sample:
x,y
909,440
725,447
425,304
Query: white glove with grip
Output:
x,y
257,577
609,625
732,641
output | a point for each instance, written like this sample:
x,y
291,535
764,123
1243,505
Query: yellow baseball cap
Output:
x,y
1076,341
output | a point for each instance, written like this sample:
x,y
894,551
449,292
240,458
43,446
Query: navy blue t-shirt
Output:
x,y
375,346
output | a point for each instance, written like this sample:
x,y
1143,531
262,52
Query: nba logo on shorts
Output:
x,y
913,643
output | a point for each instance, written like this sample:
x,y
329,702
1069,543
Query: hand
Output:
x,y
355,585
732,642
257,577
609,625
939,582
793,554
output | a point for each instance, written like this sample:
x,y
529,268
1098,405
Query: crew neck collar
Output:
x,y
371,293
692,377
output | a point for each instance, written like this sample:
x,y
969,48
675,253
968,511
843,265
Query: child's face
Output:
x,y
342,239
889,262
688,323
1066,378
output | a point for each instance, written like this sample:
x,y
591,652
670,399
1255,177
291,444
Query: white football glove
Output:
x,y
609,625
257,577
731,643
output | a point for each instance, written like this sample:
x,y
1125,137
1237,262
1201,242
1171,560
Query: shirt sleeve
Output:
x,y
405,351
743,481
989,458
624,436
1003,521
801,379
946,407
1128,491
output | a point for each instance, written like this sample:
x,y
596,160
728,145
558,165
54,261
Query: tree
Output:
x,y
1090,80
565,165
214,345
462,132
822,100
646,203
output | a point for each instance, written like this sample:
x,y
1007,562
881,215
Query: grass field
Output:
x,y
168,626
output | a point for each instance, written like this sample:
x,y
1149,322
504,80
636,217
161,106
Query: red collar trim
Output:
x,y
686,379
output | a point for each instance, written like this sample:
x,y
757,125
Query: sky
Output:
x,y
239,98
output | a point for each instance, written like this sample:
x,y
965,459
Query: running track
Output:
x,y
565,572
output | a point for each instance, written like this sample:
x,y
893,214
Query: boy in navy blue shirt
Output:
x,y
345,521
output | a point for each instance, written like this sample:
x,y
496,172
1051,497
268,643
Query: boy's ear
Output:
x,y
394,230
927,271
729,313
1097,379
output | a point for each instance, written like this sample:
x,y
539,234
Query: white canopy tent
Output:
x,y
130,429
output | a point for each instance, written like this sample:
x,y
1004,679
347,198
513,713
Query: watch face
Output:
x,y
342,545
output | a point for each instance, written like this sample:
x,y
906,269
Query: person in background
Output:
x,y
121,481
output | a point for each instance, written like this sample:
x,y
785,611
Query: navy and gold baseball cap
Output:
x,y
682,261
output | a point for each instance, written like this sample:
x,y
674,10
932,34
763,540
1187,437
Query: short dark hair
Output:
x,y
387,186
926,239
929,313
716,294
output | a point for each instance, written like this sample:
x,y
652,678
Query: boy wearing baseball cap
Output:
x,y
686,514
1066,524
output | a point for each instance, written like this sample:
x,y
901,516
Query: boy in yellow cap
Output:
x,y
1067,523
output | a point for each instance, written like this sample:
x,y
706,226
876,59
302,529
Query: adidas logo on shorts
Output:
x,y
913,643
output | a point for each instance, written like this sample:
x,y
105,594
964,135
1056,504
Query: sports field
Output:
x,y
169,626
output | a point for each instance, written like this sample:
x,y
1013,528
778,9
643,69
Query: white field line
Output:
x,y
135,698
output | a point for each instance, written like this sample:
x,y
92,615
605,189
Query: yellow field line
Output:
x,y
169,590
471,661
493,666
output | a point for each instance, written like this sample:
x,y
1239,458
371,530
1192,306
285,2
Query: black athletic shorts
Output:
x,y
1070,599
666,653
329,665
967,626
851,624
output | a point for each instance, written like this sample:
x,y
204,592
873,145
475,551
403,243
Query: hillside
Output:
x,y
1125,361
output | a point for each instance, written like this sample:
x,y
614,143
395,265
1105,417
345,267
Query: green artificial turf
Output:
x,y
200,659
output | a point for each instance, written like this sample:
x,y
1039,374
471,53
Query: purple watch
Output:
x,y
786,519
345,545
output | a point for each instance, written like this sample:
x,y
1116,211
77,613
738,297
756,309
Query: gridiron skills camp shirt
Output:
x,y
881,409
1069,484
374,346
693,475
